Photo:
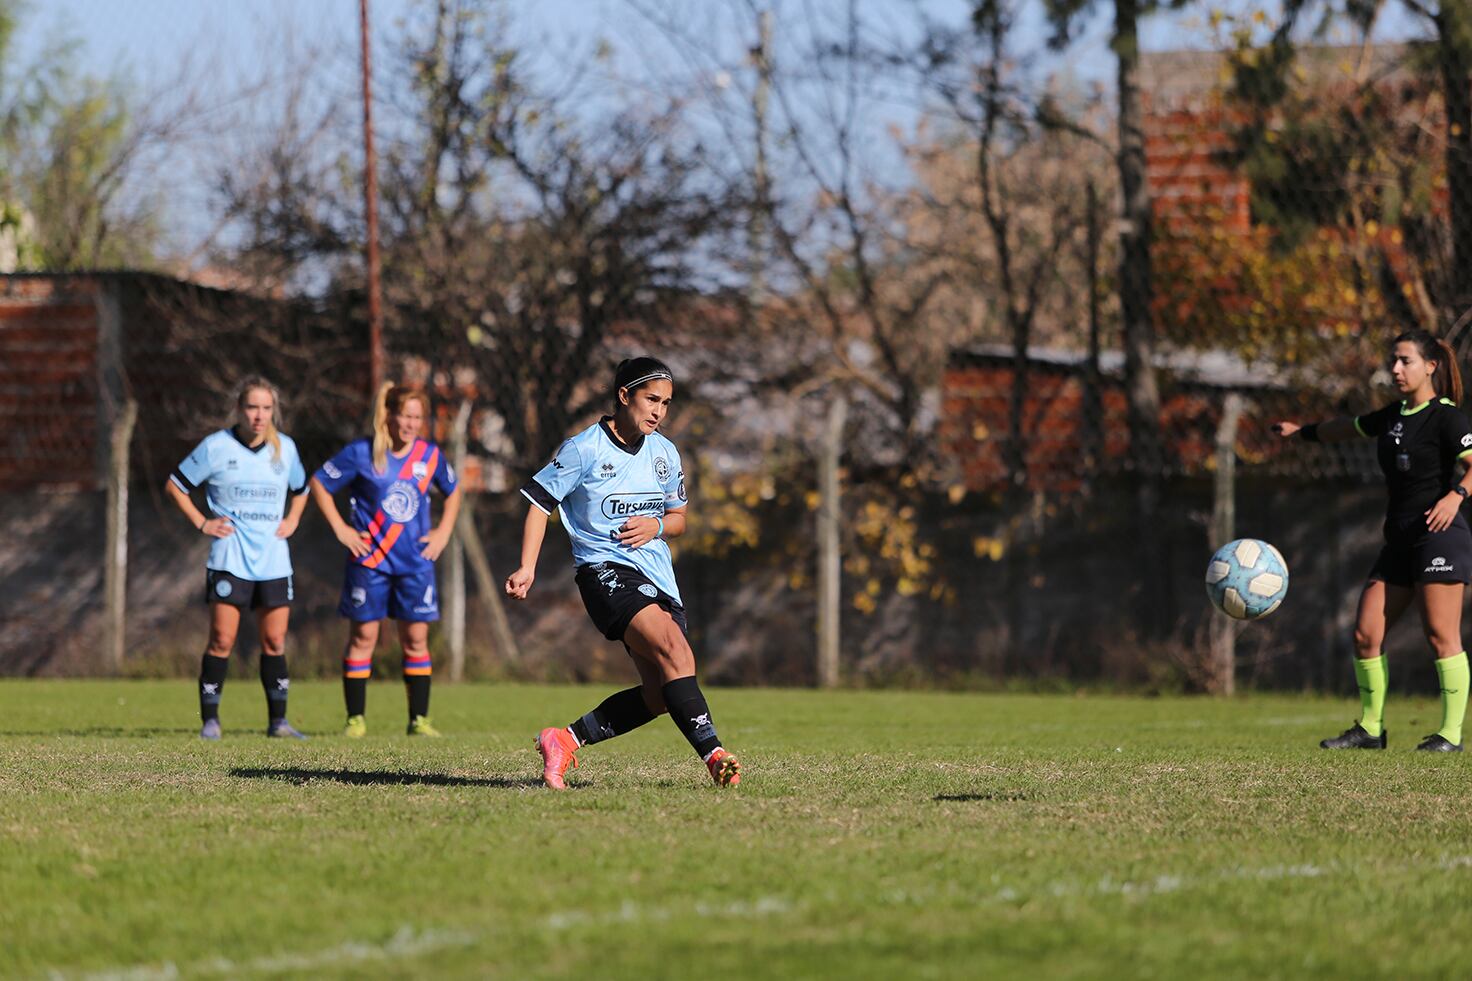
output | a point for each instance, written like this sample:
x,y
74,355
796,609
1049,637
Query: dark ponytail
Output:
x,y
1448,377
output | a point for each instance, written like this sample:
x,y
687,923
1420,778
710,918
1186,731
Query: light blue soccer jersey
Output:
x,y
600,483
250,488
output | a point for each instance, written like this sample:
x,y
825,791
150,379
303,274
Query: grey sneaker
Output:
x,y
210,730
281,729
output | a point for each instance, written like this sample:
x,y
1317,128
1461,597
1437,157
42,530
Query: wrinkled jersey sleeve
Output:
x,y
445,477
1456,433
1377,422
339,471
674,485
550,485
196,469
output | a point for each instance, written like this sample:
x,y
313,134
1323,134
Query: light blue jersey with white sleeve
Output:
x,y
599,483
251,488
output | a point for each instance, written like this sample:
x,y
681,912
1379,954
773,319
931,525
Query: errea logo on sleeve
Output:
x,y
1467,440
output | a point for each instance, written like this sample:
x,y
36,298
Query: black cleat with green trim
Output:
x,y
1437,743
1355,737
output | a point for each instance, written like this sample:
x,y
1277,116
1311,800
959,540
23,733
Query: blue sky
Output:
x,y
237,52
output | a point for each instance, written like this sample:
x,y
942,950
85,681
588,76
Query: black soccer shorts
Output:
x,y
614,594
222,587
1414,555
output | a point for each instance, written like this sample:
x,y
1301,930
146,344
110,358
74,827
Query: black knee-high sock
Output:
x,y
418,688
355,681
621,712
276,683
355,694
212,671
417,670
688,710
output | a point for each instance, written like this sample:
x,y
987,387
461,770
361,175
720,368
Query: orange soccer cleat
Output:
x,y
559,751
724,768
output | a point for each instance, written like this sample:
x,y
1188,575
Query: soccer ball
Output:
x,y
1247,579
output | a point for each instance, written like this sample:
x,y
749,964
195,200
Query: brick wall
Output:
x,y
49,384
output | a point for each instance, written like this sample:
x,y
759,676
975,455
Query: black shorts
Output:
x,y
614,593
1414,555
222,587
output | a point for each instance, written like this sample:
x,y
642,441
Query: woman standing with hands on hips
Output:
x,y
1427,557
255,489
391,545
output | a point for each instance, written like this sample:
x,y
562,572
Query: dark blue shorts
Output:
x,y
368,594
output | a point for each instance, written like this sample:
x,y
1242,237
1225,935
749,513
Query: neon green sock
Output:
x,y
1454,677
1373,675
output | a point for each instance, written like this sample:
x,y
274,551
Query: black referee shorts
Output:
x,y
614,593
1414,555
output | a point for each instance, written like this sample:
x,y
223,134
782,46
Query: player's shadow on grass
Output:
x,y
103,732
300,775
996,795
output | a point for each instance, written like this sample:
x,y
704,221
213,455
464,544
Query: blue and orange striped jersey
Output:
x,y
392,506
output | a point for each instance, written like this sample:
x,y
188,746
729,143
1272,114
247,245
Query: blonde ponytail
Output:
x,y
272,434
390,401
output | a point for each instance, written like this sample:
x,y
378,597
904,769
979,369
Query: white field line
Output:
x,y
408,942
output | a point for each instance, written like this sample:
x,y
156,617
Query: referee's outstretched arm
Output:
x,y
1339,430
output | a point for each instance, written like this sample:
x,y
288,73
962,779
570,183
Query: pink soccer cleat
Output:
x,y
724,768
559,751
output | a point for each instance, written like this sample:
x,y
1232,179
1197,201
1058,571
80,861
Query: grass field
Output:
x,y
874,835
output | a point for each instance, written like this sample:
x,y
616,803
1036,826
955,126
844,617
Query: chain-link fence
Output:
x,y
977,358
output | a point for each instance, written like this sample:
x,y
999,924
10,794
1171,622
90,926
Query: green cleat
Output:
x,y
419,726
356,728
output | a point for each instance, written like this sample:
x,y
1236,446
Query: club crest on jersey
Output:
x,y
661,469
1397,431
420,470
278,467
401,502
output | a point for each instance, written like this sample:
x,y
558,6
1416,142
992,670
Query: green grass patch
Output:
x,y
875,834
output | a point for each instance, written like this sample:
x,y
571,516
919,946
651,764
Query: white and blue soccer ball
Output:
x,y
1247,579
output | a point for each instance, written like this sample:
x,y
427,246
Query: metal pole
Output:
x,y
455,593
757,231
830,557
370,205
1223,631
